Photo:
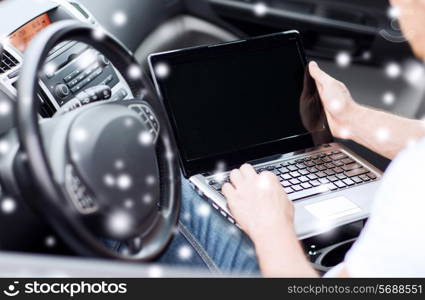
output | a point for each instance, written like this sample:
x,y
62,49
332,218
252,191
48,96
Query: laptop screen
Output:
x,y
223,100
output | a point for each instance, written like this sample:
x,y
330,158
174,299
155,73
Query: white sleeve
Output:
x,y
393,241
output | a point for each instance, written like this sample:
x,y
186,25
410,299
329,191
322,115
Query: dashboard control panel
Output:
x,y
90,95
71,68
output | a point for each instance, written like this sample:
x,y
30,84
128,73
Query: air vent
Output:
x,y
7,61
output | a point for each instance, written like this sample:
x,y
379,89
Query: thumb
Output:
x,y
318,75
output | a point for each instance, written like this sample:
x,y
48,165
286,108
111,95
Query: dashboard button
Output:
x,y
68,78
103,61
76,88
155,125
61,90
72,75
123,92
72,83
95,74
107,80
80,77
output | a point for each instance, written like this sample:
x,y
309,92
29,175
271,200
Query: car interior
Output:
x,y
70,64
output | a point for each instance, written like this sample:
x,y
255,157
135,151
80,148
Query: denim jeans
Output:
x,y
207,240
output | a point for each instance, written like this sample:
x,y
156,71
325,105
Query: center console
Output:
x,y
71,67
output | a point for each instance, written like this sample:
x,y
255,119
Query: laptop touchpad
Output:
x,y
334,208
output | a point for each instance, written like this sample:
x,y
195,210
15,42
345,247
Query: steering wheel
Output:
x,y
101,173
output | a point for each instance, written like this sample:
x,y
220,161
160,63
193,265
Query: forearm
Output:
x,y
384,133
280,255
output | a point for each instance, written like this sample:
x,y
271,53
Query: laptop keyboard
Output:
x,y
315,174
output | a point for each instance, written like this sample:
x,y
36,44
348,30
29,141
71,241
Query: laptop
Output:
x,y
254,101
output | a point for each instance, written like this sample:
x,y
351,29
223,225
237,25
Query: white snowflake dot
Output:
x,y
414,73
147,199
388,98
49,69
109,180
221,166
185,252
150,180
393,70
220,177
263,182
4,147
260,9
119,18
124,181
128,122
8,206
145,138
411,142
155,272
345,133
233,230
23,156
98,33
393,12
343,59
119,223
134,72
335,105
5,108
75,156
367,55
250,252
129,203
187,216
162,70
169,155
204,210
382,134
119,164
80,135
176,229
50,241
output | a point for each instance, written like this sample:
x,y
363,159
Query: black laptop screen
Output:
x,y
224,101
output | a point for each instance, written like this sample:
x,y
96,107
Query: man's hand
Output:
x,y
336,98
379,131
258,202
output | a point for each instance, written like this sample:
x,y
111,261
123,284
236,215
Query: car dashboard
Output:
x,y
71,67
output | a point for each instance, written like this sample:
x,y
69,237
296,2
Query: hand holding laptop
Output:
x,y
383,133
339,106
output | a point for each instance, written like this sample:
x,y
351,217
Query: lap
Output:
x,y
205,239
